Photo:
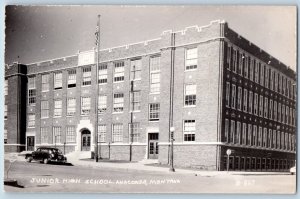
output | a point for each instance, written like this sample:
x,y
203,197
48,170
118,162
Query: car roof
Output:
x,y
47,148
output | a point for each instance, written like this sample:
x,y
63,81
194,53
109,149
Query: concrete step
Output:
x,y
149,161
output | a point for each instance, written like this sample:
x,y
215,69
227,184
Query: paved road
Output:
x,y
36,177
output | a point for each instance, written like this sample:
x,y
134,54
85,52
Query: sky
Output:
x,y
35,34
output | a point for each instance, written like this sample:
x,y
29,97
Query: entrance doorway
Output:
x,y
153,146
85,140
30,143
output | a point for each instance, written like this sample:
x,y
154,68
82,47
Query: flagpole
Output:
x,y
97,88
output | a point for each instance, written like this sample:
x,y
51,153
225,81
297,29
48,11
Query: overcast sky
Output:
x,y
41,33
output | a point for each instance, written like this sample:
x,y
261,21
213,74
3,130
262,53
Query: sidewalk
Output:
x,y
141,167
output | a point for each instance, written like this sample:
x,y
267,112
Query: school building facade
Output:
x,y
216,89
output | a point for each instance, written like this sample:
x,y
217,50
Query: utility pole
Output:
x,y
97,87
131,112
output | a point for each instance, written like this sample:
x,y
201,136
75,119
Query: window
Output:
x,y
267,77
280,83
233,96
287,115
227,98
255,110
134,130
44,109
154,110
246,66
244,134
234,60
56,134
241,63
251,74
283,85
102,133
135,69
249,137
57,108
86,76
269,143
191,58
85,105
291,117
31,120
274,139
250,107
189,130
71,106
190,95
44,135
102,104
256,74
262,76
135,100
155,74
266,108
232,131
271,110
31,91
119,71
45,82
272,80
6,87
254,136
118,102
283,113
238,133
228,57
275,110
72,78
70,134
261,105
278,140
276,82
117,133
260,136
226,130
58,80
279,112
265,137
5,111
102,74
245,104
239,100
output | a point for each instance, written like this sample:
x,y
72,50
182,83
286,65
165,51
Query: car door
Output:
x,y
35,154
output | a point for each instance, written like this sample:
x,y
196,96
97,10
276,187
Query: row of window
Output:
x,y
255,70
252,135
117,133
253,103
118,76
118,106
257,163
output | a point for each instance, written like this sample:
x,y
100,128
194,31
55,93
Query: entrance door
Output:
x,y
86,140
30,143
153,146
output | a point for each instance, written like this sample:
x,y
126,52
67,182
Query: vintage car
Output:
x,y
293,170
46,155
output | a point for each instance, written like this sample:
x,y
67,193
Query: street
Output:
x,y
36,177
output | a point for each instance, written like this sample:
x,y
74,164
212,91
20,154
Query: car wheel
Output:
x,y
29,159
46,161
